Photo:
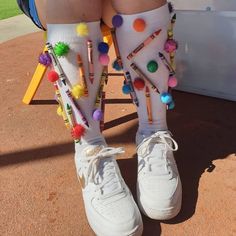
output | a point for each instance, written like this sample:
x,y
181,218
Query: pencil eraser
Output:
x,y
166,98
53,76
172,82
97,115
82,29
103,47
117,21
139,83
104,59
61,49
116,66
45,59
78,131
139,25
171,46
152,66
126,89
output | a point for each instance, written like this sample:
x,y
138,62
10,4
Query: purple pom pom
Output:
x,y
97,115
117,21
45,59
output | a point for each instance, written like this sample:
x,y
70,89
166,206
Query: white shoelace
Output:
x,y
153,163
102,172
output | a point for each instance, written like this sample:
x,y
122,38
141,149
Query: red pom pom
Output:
x,y
78,131
53,76
139,83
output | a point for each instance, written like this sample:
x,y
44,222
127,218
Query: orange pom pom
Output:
x,y
139,25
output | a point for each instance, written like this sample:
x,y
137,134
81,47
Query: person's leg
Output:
x,y
108,202
141,31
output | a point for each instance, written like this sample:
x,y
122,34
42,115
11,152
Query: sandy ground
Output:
x,y
39,192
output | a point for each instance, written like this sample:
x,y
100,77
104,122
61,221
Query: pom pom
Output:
x,y
139,83
53,76
78,131
61,49
116,66
139,25
171,105
126,89
97,115
171,46
45,59
117,21
82,30
59,111
172,82
166,98
104,59
77,91
152,66
103,48
171,8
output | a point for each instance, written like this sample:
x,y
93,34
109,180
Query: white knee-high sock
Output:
x,y
66,33
128,39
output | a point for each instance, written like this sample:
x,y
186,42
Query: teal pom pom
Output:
x,y
115,66
126,89
61,49
166,98
171,105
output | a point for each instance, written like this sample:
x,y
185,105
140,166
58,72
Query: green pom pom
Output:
x,y
152,66
61,49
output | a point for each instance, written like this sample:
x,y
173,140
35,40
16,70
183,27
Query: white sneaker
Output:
x,y
159,189
109,205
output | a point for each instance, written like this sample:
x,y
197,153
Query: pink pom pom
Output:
x,y
104,59
53,76
78,131
171,46
172,82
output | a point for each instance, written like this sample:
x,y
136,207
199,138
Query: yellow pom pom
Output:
x,y
107,39
77,91
82,29
59,111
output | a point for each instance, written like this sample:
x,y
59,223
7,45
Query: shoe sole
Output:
x,y
163,214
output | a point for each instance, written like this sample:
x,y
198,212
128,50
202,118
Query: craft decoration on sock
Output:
x,y
139,25
82,29
61,49
145,43
139,83
82,77
45,59
143,76
116,47
116,66
103,111
166,63
97,113
61,108
53,76
90,60
149,105
152,66
117,21
132,91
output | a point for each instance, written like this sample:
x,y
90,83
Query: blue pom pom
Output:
x,y
166,98
117,21
103,48
126,89
115,66
171,105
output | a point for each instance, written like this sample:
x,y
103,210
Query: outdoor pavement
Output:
x,y
39,191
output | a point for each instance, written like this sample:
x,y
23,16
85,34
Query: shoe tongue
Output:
x,y
108,176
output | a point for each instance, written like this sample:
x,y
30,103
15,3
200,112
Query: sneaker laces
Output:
x,y
102,172
160,141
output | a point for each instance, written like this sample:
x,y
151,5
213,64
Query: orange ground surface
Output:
x,y
39,192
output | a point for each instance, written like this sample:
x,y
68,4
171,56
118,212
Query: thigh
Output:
x,y
108,12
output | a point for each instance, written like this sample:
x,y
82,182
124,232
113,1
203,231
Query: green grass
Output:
x,y
9,8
